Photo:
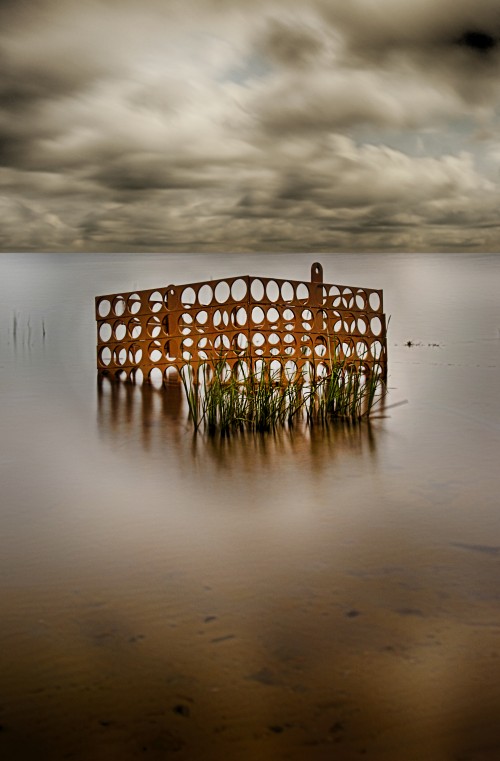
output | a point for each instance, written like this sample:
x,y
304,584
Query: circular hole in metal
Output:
x,y
321,370
119,305
188,297
103,308
287,291
347,349
302,292
320,348
374,300
257,290
134,327
222,342
224,372
134,303
349,323
186,373
120,355
105,331
238,290
134,355
361,349
242,370
205,295
105,356
334,296
202,317
360,299
258,315
222,292
241,341
347,298
322,319
120,330
376,326
273,315
307,371
272,290
155,353
258,339
185,323
290,370
275,370
239,316
154,327
155,301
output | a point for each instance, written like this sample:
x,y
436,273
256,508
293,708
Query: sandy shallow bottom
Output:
x,y
383,662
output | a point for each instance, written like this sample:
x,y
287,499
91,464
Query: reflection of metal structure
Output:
x,y
287,323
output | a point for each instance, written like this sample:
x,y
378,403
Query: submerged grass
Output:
x,y
223,400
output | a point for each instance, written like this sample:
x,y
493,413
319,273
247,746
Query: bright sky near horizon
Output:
x,y
249,125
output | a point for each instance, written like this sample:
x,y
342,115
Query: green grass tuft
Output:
x,y
221,400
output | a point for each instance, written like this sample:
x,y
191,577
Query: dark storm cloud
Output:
x,y
289,45
454,41
219,126
390,25
477,41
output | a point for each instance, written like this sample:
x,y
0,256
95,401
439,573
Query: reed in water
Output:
x,y
224,399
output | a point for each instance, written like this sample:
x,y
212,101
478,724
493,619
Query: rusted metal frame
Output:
x,y
318,298
176,291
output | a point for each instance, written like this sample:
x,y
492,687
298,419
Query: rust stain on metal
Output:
x,y
298,324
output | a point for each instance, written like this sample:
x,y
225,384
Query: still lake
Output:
x,y
309,595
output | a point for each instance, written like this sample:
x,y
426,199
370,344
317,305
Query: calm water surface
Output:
x,y
315,595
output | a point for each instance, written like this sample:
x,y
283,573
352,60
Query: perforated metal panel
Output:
x,y
298,326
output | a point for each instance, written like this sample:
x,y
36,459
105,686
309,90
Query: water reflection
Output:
x,y
155,419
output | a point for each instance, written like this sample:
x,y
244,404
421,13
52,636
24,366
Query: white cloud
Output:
x,y
217,126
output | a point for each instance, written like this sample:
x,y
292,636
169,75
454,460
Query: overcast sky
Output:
x,y
249,125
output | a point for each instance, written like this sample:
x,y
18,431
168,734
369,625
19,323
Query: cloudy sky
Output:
x,y
249,125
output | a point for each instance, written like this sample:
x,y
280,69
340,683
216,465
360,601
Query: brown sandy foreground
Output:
x,y
386,665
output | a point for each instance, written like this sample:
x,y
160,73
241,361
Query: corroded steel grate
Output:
x,y
296,326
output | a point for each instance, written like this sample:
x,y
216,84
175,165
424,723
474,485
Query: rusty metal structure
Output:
x,y
297,327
